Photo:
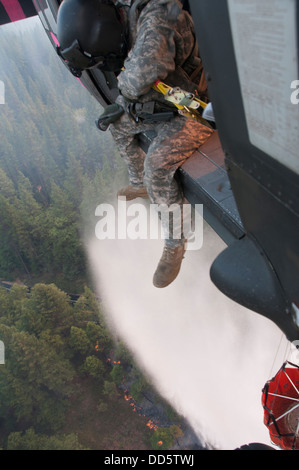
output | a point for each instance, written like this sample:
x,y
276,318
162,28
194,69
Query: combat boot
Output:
x,y
132,192
169,265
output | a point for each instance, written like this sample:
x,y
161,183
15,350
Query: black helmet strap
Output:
x,y
75,54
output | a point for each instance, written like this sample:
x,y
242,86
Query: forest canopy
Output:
x,y
55,166
59,387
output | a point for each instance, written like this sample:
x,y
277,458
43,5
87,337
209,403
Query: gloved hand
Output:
x,y
111,114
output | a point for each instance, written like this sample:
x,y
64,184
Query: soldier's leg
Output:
x,y
129,149
176,141
125,132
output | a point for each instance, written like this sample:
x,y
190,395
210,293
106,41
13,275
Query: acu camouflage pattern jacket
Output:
x,y
162,46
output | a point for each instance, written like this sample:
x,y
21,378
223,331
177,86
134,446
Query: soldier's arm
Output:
x,y
151,58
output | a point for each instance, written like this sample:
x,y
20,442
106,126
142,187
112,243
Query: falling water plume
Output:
x,y
206,355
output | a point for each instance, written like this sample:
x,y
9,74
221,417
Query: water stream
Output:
x,y
207,355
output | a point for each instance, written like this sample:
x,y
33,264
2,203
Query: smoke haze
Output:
x,y
209,357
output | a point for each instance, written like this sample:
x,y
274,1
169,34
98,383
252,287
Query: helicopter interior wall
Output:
x,y
265,190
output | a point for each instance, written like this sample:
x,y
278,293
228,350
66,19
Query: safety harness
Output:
x,y
185,103
188,104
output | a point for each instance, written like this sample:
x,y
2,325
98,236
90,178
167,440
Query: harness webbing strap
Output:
x,y
188,104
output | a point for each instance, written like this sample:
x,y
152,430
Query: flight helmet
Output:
x,y
91,34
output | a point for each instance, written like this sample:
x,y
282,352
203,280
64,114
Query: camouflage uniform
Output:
x,y
162,47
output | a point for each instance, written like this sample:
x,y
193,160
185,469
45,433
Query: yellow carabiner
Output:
x,y
180,98
187,103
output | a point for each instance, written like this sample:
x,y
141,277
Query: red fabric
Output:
x,y
13,9
282,408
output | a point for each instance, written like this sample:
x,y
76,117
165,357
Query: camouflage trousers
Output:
x,y
175,141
